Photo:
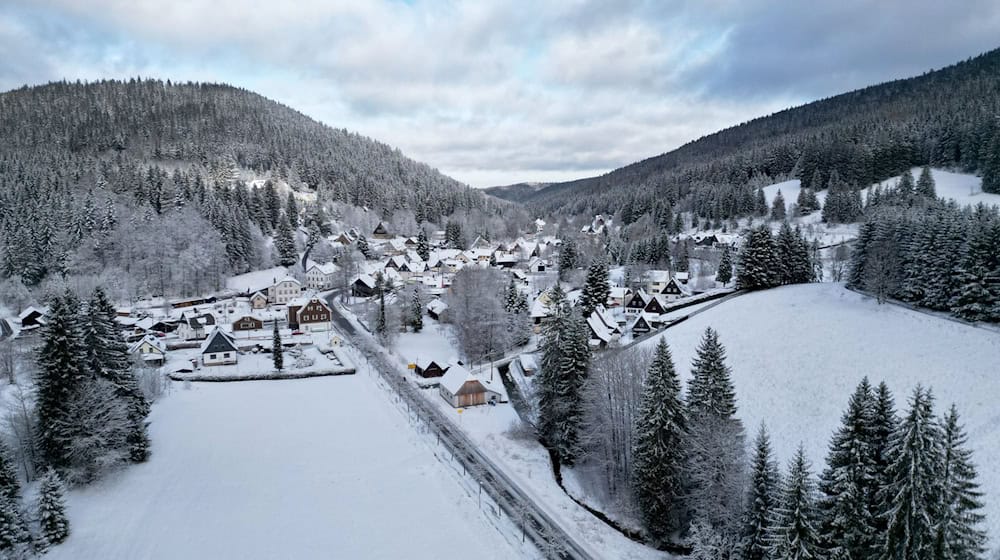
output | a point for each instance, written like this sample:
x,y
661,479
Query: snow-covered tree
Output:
x,y
658,453
416,311
15,540
596,288
762,500
959,532
97,428
925,184
277,349
912,499
567,258
849,484
794,533
52,519
758,265
423,248
778,207
725,271
284,242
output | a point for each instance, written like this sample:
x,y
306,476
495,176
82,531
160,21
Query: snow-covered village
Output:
x,y
230,330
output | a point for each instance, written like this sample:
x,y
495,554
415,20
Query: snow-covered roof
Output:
x,y
326,268
455,378
436,306
256,280
529,362
153,341
657,276
288,279
218,341
367,280
598,328
620,292
539,308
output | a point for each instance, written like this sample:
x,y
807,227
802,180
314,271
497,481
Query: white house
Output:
x,y
194,327
219,349
321,276
151,349
284,290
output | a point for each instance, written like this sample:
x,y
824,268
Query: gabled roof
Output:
x,y
325,268
436,306
529,362
598,329
257,295
32,310
288,279
153,341
6,330
365,279
218,341
454,381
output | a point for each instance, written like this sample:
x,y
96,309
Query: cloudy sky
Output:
x,y
502,91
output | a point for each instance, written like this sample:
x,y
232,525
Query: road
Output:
x,y
545,531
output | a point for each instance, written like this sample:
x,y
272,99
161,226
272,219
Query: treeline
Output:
x,y
87,418
933,254
768,260
945,118
893,486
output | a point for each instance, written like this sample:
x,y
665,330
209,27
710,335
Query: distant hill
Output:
x,y
947,118
515,192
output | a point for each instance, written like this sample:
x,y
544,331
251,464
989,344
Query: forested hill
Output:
x,y
144,186
948,118
216,125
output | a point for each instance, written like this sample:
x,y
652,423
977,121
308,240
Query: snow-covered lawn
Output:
x,y
797,353
315,468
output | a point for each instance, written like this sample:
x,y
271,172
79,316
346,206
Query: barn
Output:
x,y
430,368
460,388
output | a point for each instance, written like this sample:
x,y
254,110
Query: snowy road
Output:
x,y
312,468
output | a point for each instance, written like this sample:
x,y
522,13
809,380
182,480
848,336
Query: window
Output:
x,y
226,355
211,356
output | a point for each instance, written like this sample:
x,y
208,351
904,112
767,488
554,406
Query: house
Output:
x,y
193,327
655,306
310,314
520,276
321,276
33,317
673,289
504,259
363,286
248,323
284,290
258,300
636,303
682,277
7,331
525,364
640,326
619,296
603,329
219,349
151,349
656,280
480,243
537,265
436,309
344,238
429,368
381,231
460,388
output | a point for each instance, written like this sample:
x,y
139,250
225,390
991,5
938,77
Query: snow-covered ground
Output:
x,y
797,352
965,189
314,468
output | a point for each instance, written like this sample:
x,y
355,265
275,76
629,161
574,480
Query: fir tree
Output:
x,y
911,500
363,247
758,265
292,210
284,243
991,164
848,485
794,534
381,324
15,540
61,370
925,184
762,500
711,390
107,358
778,207
959,536
416,311
52,520
567,258
423,249
905,187
564,365
725,271
277,349
10,487
595,289
658,454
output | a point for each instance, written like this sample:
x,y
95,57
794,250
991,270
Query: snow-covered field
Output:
x,y
797,353
315,468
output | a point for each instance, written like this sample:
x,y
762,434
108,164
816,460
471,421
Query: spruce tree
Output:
x,y
381,323
595,289
991,164
658,453
714,442
284,243
108,358
565,361
423,249
794,533
277,349
758,265
567,258
363,247
725,271
61,370
911,500
849,483
905,187
762,500
52,520
959,536
416,311
292,210
778,207
925,184
15,540
10,487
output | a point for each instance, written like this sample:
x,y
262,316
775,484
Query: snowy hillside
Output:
x,y
292,469
797,353
963,188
